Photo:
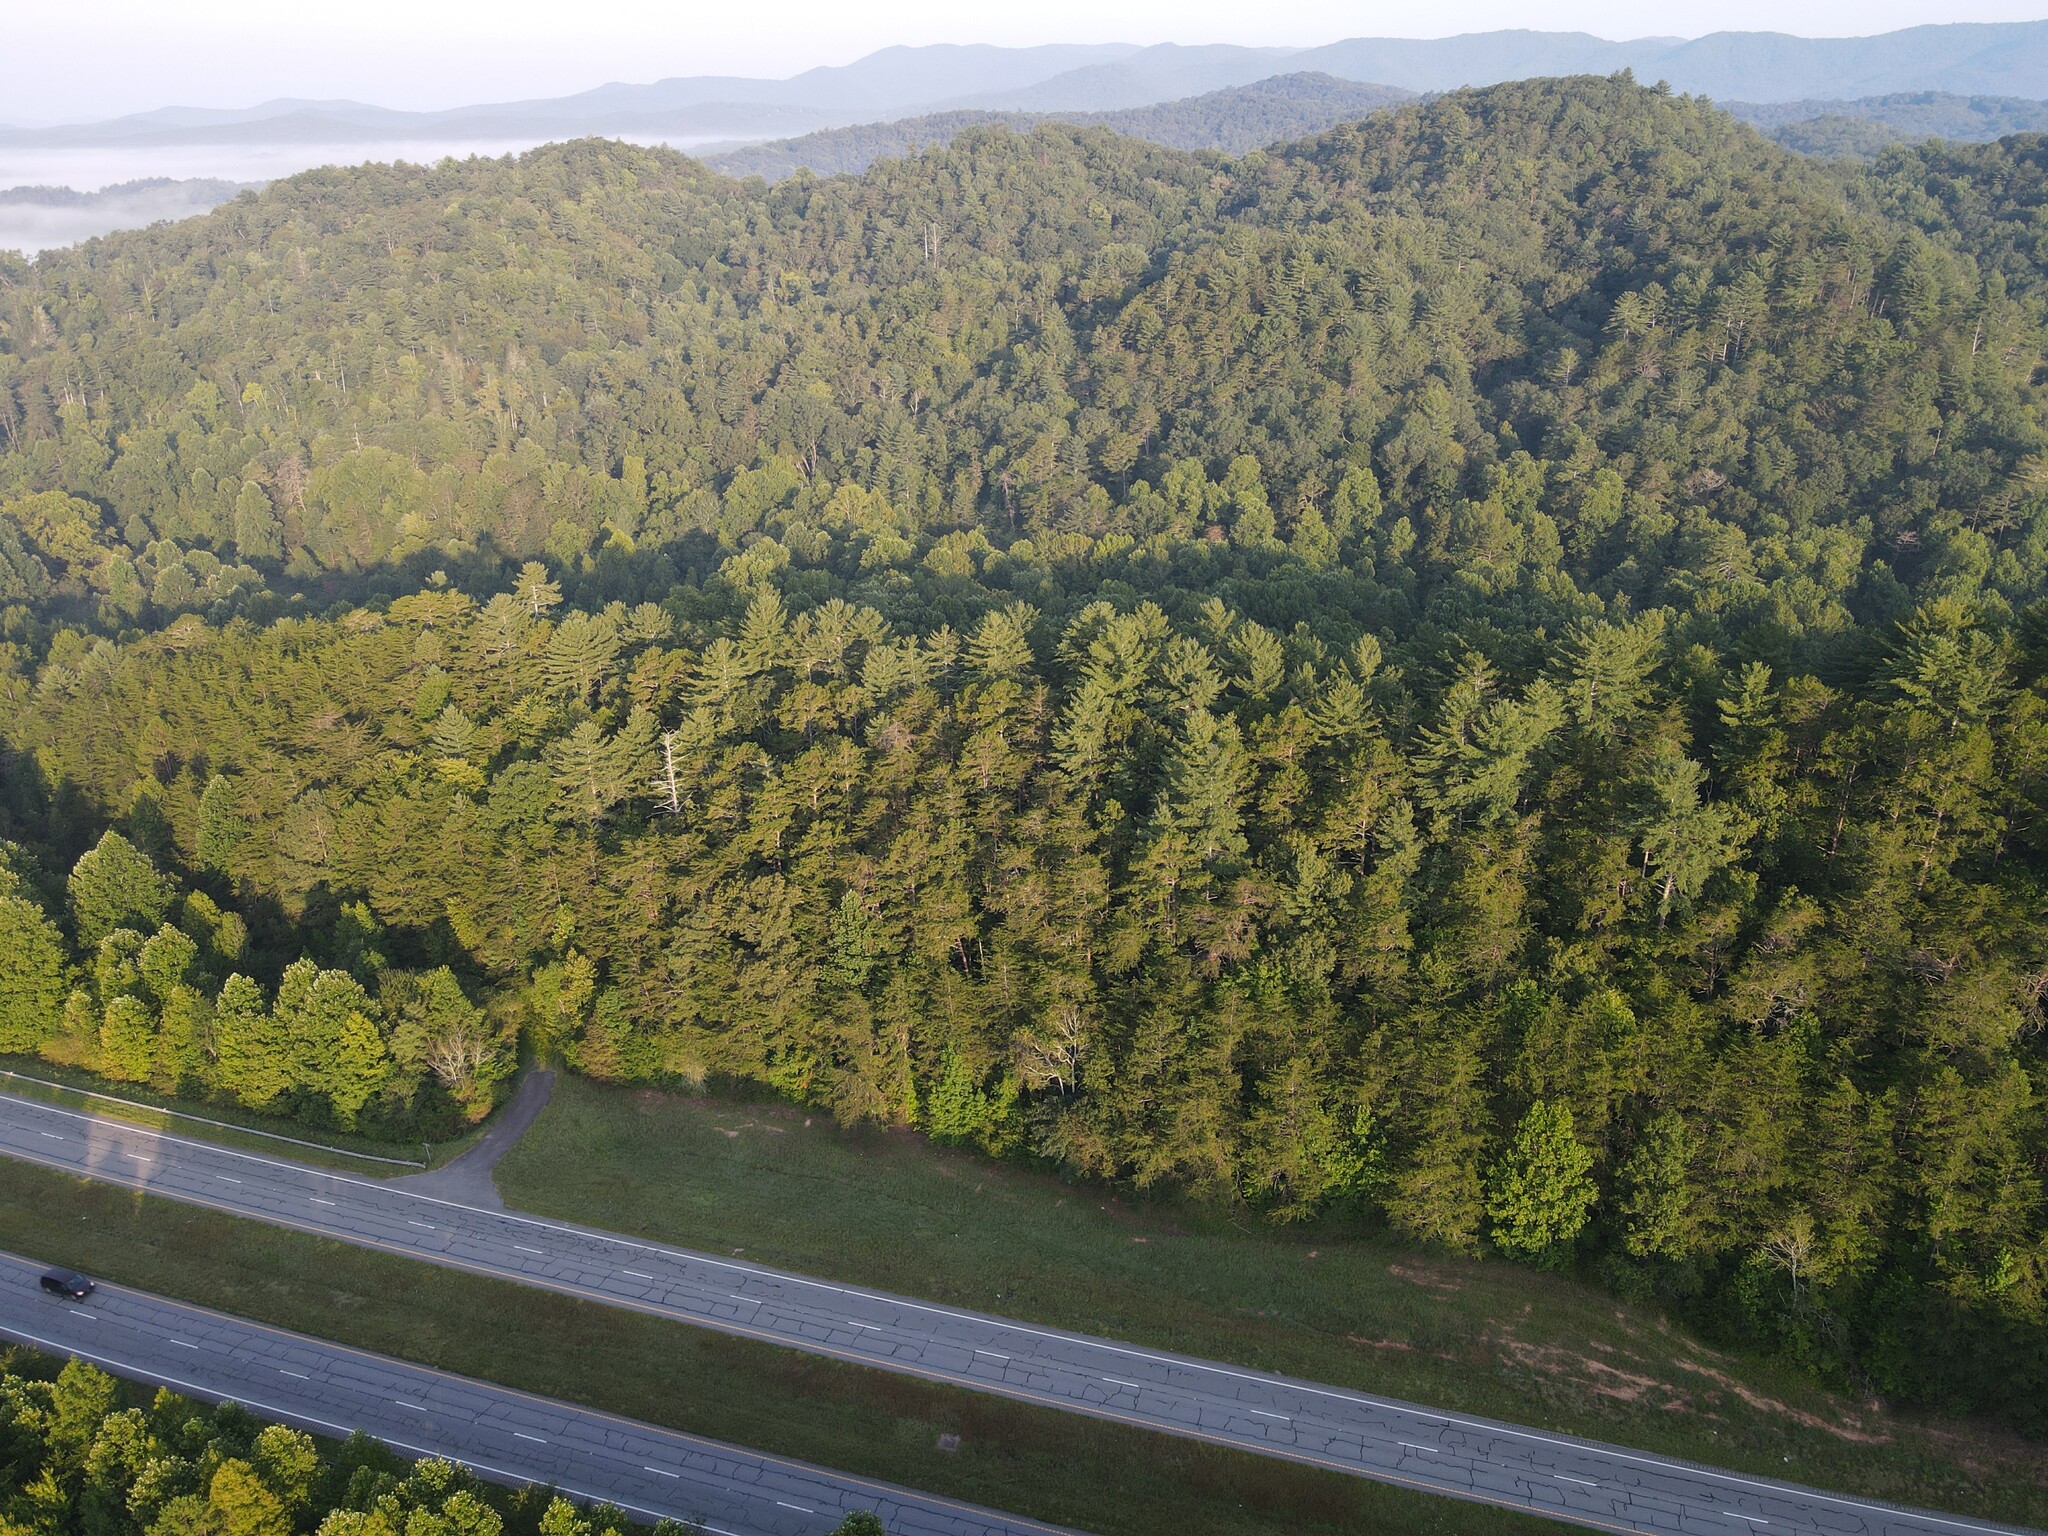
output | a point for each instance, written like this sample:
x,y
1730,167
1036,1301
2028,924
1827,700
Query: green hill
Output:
x,y
1482,671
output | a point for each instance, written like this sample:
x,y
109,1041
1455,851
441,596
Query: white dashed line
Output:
x,y
415,1407
83,1313
747,1299
1261,1413
1752,1519
520,1434
51,1134
318,1201
1410,1446
430,1227
300,1374
659,1472
785,1504
137,1156
225,1179
636,1274
1134,1386
524,1249
183,1345
989,1352
1585,1482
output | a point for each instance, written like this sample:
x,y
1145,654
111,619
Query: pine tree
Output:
x,y
115,886
34,977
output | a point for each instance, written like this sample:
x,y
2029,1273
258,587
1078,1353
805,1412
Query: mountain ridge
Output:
x,y
1988,58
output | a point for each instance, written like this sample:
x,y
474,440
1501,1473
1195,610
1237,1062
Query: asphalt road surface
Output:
x,y
507,1436
1606,1487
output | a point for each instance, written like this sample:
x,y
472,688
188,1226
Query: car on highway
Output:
x,y
65,1282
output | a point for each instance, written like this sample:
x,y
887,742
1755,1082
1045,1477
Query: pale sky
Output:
x,y
87,59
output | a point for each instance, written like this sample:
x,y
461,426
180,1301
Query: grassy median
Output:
x,y
1052,1466
894,1210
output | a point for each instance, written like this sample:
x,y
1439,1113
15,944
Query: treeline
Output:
x,y
76,1459
147,986
1483,673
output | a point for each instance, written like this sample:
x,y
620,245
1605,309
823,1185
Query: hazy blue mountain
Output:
x,y
1864,128
1166,72
2004,58
1991,59
1483,58
1232,121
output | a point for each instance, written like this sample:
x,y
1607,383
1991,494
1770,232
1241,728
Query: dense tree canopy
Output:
x,y
76,1460
1484,671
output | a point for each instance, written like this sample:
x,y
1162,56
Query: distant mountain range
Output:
x,y
1995,59
1241,118
1862,128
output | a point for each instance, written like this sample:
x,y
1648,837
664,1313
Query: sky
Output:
x,y
101,58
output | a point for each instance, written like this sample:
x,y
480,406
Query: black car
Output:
x,y
62,1282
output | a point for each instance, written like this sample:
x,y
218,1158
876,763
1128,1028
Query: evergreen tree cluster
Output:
x,y
1486,671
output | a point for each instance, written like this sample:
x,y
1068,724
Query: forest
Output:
x,y
1483,673
77,1455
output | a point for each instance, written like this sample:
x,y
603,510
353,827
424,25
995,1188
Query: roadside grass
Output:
x,y
895,1211
1052,1466
146,1106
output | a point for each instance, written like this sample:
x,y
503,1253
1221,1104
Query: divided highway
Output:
x,y
1582,1481
507,1436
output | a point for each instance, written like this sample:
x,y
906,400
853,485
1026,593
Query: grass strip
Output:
x,y
230,1125
1332,1303
1058,1467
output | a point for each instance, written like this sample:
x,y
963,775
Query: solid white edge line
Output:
x,y
935,1502
344,1430
1512,1431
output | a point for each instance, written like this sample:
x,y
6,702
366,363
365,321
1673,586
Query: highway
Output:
x,y
506,1436
1601,1486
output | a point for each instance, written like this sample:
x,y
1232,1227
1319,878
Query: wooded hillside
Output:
x,y
1484,671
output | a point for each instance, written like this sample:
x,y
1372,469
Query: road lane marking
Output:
x,y
785,1504
83,1313
192,1390
225,1179
524,1249
1133,1385
1411,1446
300,1374
51,1134
1585,1481
1010,1326
519,1434
636,1274
989,1352
427,1226
1261,1413
747,1299
183,1345
659,1472
1752,1519
415,1407
318,1201
138,1157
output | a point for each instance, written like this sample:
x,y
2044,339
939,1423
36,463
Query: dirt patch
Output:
x,y
1847,1427
1595,1376
1431,1277
732,1132
1396,1344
